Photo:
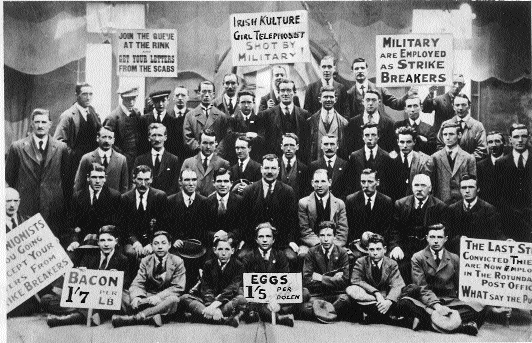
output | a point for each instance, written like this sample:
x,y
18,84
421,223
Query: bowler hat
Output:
x,y
445,323
192,248
160,94
362,243
324,311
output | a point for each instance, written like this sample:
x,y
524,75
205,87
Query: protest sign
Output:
x,y
284,288
34,259
406,60
269,38
148,53
497,273
91,288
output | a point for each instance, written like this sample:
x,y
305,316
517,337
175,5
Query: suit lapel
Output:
x,y
199,162
210,166
52,149
460,158
164,161
312,208
31,149
334,206
445,161
212,118
200,117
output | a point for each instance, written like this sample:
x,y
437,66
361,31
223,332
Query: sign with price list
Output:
x,y
91,288
284,288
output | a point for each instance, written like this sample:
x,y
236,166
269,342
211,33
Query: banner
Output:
x,y
34,259
92,288
406,60
269,38
148,53
497,273
284,288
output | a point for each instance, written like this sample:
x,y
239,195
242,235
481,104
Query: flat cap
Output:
x,y
160,94
458,78
128,91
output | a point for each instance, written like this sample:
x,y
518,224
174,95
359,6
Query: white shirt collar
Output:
x,y
331,82
494,159
408,157
225,198
372,199
44,140
82,110
324,198
434,254
233,100
265,186
225,265
416,201
102,153
416,122
187,198
515,155
367,151
102,256
464,119
209,158
177,111
144,198
376,117
155,152
328,253
162,115
365,84
265,254
332,159
91,193
244,163
206,108
472,203
126,110
324,113
453,151
379,264
283,108
292,160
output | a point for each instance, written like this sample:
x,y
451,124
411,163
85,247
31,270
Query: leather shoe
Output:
x,y
286,320
251,317
469,328
118,320
69,319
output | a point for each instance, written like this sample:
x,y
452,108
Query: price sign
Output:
x,y
90,288
284,288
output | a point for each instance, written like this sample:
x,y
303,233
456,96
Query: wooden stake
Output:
x,y
273,318
89,318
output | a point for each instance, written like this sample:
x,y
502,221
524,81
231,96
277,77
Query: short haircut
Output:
x,y
217,240
265,225
358,60
108,229
518,126
328,57
142,169
286,81
327,224
230,74
320,171
221,171
437,226
280,66
327,89
155,126
81,85
207,132
162,233
97,168
181,86
372,91
491,133
376,238
411,97
406,130
464,96
270,157
186,169
452,125
335,137
369,125
40,111
108,128
244,138
291,135
246,92
206,83
466,177
369,171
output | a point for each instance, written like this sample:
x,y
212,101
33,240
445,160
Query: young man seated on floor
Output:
x,y
106,258
156,289
216,300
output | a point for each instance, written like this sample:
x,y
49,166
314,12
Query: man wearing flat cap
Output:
x,y
442,105
124,120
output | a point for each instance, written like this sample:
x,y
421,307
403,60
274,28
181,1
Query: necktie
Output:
x,y
368,206
141,205
159,270
41,149
521,162
105,163
362,91
13,223
247,121
329,169
221,207
269,192
288,166
462,124
406,168
376,273
438,260
287,111
159,118
370,118
419,204
405,161
94,199
205,164
468,207
230,106
241,166
189,201
157,164
321,202
104,262
326,252
265,256
206,112
450,159
371,157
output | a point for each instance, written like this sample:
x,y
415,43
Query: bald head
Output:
x,y
12,201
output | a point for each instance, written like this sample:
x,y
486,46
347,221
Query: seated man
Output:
x,y
325,277
376,283
266,259
157,287
108,258
436,270
216,300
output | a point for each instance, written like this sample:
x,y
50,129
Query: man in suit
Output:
x,y
271,200
179,111
228,101
13,217
204,117
514,185
124,121
248,123
472,217
426,136
115,164
284,118
142,211
408,163
93,206
376,283
326,121
368,209
246,170
369,156
158,286
330,161
371,115
320,206
314,94
356,94
436,271
271,99
107,258
325,277
37,167
442,105
486,176
411,215
473,139
293,172
165,166
205,163
450,164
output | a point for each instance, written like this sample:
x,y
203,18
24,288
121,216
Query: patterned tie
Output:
x,y
105,162
104,262
141,205
468,207
159,270
362,91
221,207
205,164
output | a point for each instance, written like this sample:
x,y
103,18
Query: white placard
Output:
x,y
284,288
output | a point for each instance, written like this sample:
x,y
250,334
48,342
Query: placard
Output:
x,y
497,273
284,288
34,259
406,60
269,38
148,53
92,288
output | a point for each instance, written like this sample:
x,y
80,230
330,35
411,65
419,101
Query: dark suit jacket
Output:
x,y
181,149
272,130
420,164
315,263
117,262
205,177
68,128
353,134
220,104
514,192
187,222
196,122
277,263
281,212
20,219
313,95
317,131
298,179
390,284
424,129
221,285
251,173
356,102
167,180
339,167
240,126
486,181
232,221
116,172
446,182
127,132
263,106
379,221
172,131
442,107
135,226
91,218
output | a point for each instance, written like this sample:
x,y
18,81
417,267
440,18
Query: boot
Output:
x,y
251,317
118,320
69,319
469,328
286,319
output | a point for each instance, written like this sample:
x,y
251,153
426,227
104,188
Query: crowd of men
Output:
x,y
371,211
